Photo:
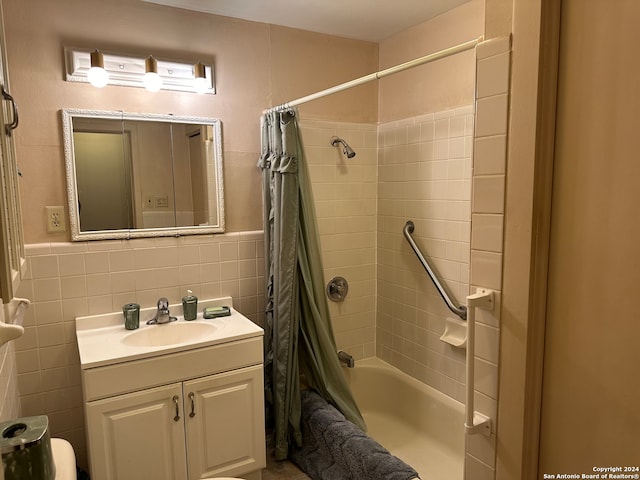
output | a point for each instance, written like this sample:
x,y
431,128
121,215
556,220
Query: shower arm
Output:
x,y
460,311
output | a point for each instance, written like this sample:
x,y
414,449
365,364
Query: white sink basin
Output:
x,y
103,340
168,334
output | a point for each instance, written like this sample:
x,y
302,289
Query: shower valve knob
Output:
x,y
337,289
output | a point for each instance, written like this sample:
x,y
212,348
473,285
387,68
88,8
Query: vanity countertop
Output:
x,y
103,340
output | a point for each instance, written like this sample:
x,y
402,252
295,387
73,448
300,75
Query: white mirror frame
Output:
x,y
68,114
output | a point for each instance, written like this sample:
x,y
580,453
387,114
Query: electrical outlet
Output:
x,y
161,201
55,219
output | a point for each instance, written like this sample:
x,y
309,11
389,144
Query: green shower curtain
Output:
x,y
298,339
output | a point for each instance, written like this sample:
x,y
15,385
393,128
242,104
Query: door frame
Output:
x,y
534,70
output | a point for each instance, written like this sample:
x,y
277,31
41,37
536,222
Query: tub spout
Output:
x,y
347,359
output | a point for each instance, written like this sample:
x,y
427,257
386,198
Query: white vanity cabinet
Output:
x,y
186,415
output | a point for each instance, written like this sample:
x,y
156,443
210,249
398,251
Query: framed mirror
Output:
x,y
135,175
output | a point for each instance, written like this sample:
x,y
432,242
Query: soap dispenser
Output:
x,y
190,306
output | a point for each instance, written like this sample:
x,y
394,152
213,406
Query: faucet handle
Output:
x,y
163,304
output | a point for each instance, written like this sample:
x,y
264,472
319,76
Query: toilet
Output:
x,y
27,449
64,459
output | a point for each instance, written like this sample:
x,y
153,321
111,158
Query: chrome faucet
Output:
x,y
347,359
162,315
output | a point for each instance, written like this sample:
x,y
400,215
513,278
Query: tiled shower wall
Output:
x,y
66,280
488,210
424,176
344,191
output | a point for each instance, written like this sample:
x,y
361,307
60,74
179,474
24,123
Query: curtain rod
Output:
x,y
378,75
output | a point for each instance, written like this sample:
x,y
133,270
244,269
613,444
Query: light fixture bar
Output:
x,y
126,70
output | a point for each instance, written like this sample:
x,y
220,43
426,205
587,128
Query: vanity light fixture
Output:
x,y
151,79
133,71
200,78
97,75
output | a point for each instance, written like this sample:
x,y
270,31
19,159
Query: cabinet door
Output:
x,y
137,436
225,435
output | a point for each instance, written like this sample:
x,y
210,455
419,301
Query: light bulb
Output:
x,y
200,84
151,80
97,75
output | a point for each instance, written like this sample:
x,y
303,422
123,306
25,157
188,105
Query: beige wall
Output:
x,y
588,347
590,413
256,65
436,86
498,18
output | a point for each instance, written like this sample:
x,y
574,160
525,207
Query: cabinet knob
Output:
x,y
176,401
193,405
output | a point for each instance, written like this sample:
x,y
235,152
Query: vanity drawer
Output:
x,y
101,382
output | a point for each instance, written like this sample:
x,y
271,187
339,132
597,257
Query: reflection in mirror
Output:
x,y
137,175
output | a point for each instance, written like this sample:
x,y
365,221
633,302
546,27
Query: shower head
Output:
x,y
347,150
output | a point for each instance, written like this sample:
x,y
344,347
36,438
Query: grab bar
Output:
x,y
461,311
475,422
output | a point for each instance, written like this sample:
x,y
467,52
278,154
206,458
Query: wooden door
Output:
x,y
590,416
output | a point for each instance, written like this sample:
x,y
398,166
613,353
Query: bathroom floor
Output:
x,y
284,470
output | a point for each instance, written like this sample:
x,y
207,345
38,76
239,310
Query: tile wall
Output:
x,y
488,210
424,176
345,191
66,280
9,404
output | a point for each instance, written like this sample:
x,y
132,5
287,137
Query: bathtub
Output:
x,y
414,421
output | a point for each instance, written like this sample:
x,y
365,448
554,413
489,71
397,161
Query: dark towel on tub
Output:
x,y
333,448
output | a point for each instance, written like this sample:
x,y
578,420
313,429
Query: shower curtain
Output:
x,y
299,340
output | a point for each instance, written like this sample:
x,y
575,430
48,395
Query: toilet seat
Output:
x,y
64,459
